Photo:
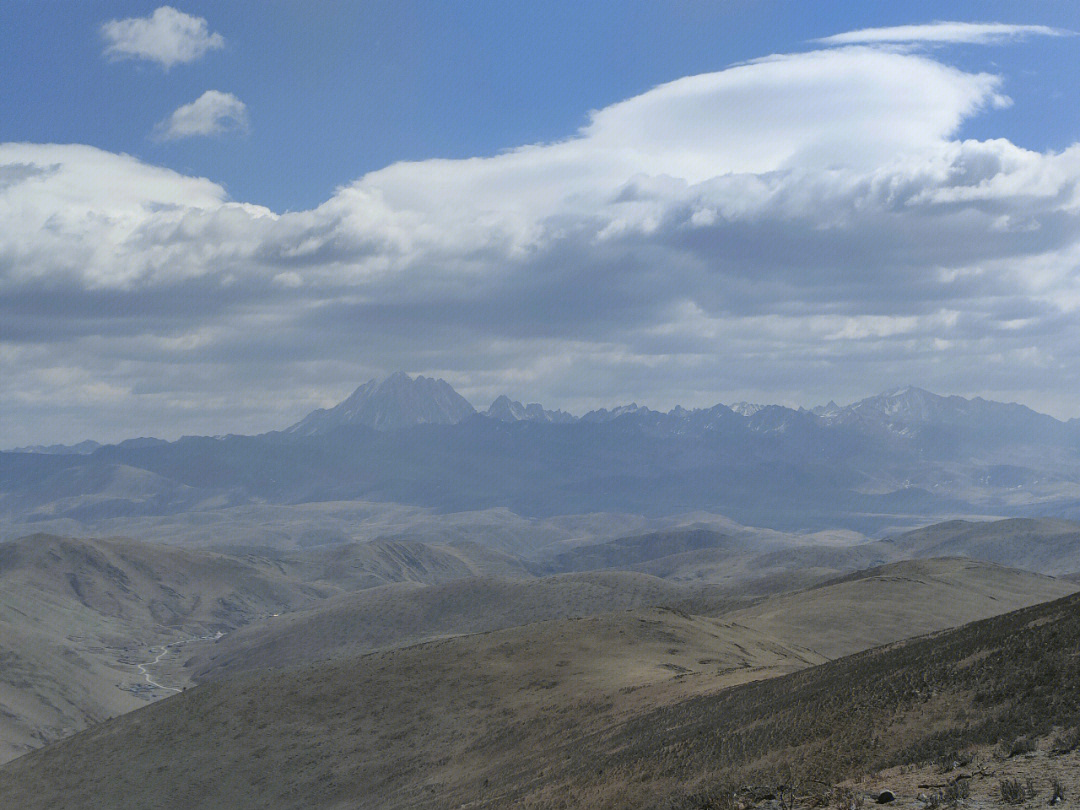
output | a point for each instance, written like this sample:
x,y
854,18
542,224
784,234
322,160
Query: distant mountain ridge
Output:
x,y
909,454
79,449
400,401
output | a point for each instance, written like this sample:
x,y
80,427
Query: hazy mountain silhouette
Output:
x,y
416,441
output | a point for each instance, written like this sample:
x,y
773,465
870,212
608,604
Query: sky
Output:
x,y
215,217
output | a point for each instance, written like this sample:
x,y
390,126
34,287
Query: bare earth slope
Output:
x,y
75,615
559,713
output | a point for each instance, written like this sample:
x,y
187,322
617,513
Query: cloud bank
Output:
x,y
168,37
793,229
212,113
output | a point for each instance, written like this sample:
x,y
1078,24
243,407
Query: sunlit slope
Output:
x,y
898,601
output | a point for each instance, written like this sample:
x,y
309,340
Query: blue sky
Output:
x,y
215,217
337,89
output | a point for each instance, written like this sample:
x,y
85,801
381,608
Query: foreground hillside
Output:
x,y
917,702
558,713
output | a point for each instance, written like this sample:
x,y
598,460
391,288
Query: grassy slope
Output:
x,y
396,729
394,615
995,679
898,600
561,713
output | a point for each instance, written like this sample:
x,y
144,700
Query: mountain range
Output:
x,y
887,461
400,401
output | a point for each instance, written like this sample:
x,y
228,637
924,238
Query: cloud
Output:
x,y
212,113
168,37
964,33
797,228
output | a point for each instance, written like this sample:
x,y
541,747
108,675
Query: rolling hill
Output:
x,y
555,713
1048,545
78,615
397,615
405,728
896,601
75,615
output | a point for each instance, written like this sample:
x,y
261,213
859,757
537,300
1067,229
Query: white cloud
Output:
x,y
944,32
212,113
805,224
84,217
167,36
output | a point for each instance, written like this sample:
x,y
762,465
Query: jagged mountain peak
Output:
x,y
605,415
389,403
747,408
508,410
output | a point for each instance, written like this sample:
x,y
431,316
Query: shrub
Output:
x,y
1057,791
1066,741
955,792
1013,791
844,798
1019,745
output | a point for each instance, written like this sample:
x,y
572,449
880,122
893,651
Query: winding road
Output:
x,y
146,675
164,651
